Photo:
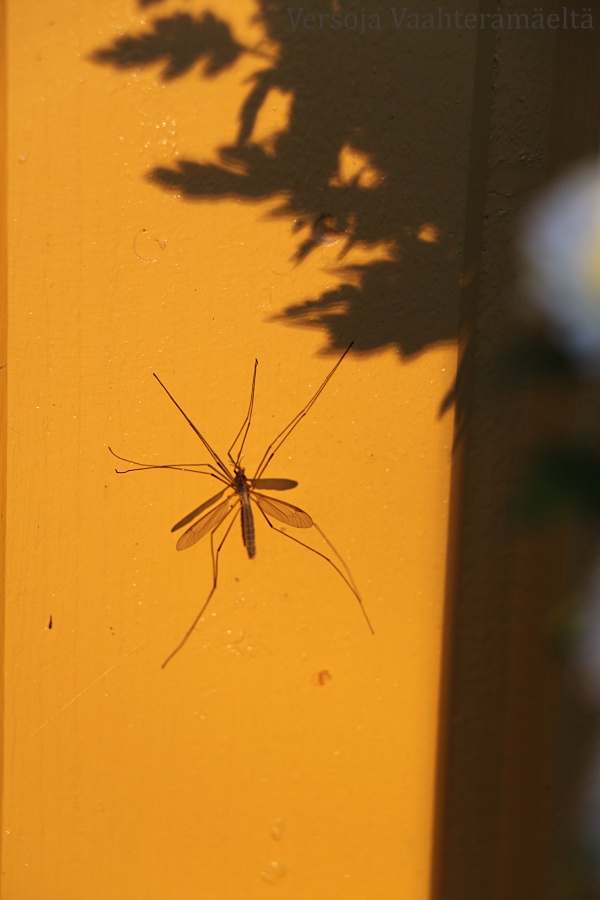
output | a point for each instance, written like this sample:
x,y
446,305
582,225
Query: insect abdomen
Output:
x,y
248,528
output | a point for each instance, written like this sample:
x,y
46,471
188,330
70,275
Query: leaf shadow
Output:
x,y
369,158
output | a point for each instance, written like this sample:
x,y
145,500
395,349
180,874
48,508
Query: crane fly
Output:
x,y
239,493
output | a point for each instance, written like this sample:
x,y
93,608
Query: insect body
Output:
x,y
241,492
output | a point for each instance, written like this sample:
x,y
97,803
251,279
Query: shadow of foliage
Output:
x,y
373,94
181,41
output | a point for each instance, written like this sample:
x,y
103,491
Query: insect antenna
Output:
x,y
286,432
245,424
214,455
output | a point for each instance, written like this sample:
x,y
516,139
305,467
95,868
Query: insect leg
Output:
x,y
339,556
348,581
245,424
220,464
215,566
286,432
179,467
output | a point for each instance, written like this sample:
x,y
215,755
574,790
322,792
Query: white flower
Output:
x,y
560,243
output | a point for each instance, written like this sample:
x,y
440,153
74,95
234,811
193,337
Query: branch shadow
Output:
x,y
369,94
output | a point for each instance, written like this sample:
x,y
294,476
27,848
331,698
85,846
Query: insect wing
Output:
x,y
274,484
207,523
196,512
283,512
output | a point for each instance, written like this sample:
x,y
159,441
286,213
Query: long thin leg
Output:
x,y
286,432
215,565
221,465
339,556
245,423
350,583
178,467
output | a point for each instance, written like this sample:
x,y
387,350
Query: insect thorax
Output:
x,y
240,481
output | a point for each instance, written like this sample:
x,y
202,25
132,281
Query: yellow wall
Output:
x,y
233,769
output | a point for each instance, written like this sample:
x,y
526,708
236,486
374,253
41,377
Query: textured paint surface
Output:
x,y
284,745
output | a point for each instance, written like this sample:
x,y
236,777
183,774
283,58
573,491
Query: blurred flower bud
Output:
x,y
560,244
